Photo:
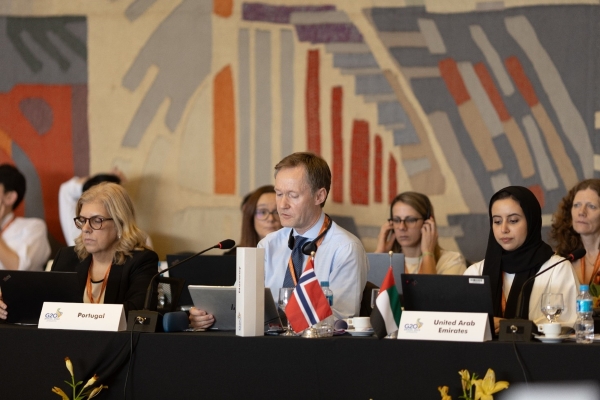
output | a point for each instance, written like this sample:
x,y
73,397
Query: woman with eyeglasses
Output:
x,y
411,230
259,216
110,256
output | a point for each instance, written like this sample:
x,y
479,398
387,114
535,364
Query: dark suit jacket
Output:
x,y
127,283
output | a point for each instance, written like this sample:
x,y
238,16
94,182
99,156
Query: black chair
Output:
x,y
365,303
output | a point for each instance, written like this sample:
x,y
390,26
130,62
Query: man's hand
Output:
x,y
200,319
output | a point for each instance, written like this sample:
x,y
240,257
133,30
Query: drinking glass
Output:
x,y
552,305
285,294
374,294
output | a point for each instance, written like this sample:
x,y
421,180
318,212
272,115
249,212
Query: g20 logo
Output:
x,y
416,327
53,316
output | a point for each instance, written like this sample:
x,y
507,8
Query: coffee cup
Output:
x,y
359,323
550,330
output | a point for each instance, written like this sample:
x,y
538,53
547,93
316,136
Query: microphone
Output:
x,y
575,255
519,329
148,318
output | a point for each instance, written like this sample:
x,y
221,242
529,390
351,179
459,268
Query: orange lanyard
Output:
x,y
596,266
88,284
291,264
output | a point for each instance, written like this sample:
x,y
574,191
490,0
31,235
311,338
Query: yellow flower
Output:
x,y
97,390
465,379
59,392
69,365
444,392
92,380
486,387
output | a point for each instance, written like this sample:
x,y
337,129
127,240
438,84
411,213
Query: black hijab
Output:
x,y
524,262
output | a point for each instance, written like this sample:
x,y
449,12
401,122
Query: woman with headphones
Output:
x,y
411,230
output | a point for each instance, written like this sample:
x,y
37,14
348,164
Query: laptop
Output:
x,y
26,291
202,270
379,263
448,293
220,302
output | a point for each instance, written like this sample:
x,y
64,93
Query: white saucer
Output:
x,y
353,332
545,339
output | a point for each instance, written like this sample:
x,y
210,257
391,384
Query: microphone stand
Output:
x,y
519,329
146,320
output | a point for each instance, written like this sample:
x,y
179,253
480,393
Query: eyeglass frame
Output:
x,y
399,221
274,213
89,221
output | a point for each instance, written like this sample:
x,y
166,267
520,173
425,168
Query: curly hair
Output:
x,y
562,232
423,206
119,207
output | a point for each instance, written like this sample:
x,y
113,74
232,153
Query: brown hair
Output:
x,y
119,207
318,173
249,236
562,232
423,206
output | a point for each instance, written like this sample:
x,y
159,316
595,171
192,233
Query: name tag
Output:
x,y
83,316
450,326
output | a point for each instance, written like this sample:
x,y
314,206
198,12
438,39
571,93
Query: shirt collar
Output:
x,y
313,232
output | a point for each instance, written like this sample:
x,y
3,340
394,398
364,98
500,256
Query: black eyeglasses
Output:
x,y
263,213
95,221
410,222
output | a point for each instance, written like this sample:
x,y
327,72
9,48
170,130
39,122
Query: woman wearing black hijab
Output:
x,y
516,252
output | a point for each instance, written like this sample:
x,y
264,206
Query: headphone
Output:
x,y
309,247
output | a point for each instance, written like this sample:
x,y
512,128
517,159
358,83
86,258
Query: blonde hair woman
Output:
x,y
110,256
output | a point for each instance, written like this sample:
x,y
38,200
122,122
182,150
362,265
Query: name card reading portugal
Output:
x,y
82,316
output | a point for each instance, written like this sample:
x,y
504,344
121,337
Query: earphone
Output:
x,y
309,247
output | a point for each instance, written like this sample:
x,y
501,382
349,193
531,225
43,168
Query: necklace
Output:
x,y
88,284
596,266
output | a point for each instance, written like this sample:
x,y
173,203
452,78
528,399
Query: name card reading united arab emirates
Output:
x,y
450,326
83,316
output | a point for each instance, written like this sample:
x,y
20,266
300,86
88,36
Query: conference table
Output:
x,y
221,365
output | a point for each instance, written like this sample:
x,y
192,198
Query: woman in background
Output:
x,y
411,230
576,225
259,216
515,253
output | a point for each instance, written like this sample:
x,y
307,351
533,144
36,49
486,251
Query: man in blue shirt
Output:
x,y
302,183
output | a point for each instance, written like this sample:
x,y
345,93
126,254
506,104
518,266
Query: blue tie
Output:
x,y
297,260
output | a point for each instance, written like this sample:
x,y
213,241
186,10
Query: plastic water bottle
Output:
x,y
584,326
327,292
325,327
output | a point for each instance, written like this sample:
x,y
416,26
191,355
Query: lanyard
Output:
x,y
291,264
88,284
596,266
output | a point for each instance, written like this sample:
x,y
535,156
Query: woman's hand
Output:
x,y
3,312
386,238
200,320
429,236
497,324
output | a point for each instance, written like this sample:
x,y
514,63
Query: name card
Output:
x,y
83,316
250,292
449,326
